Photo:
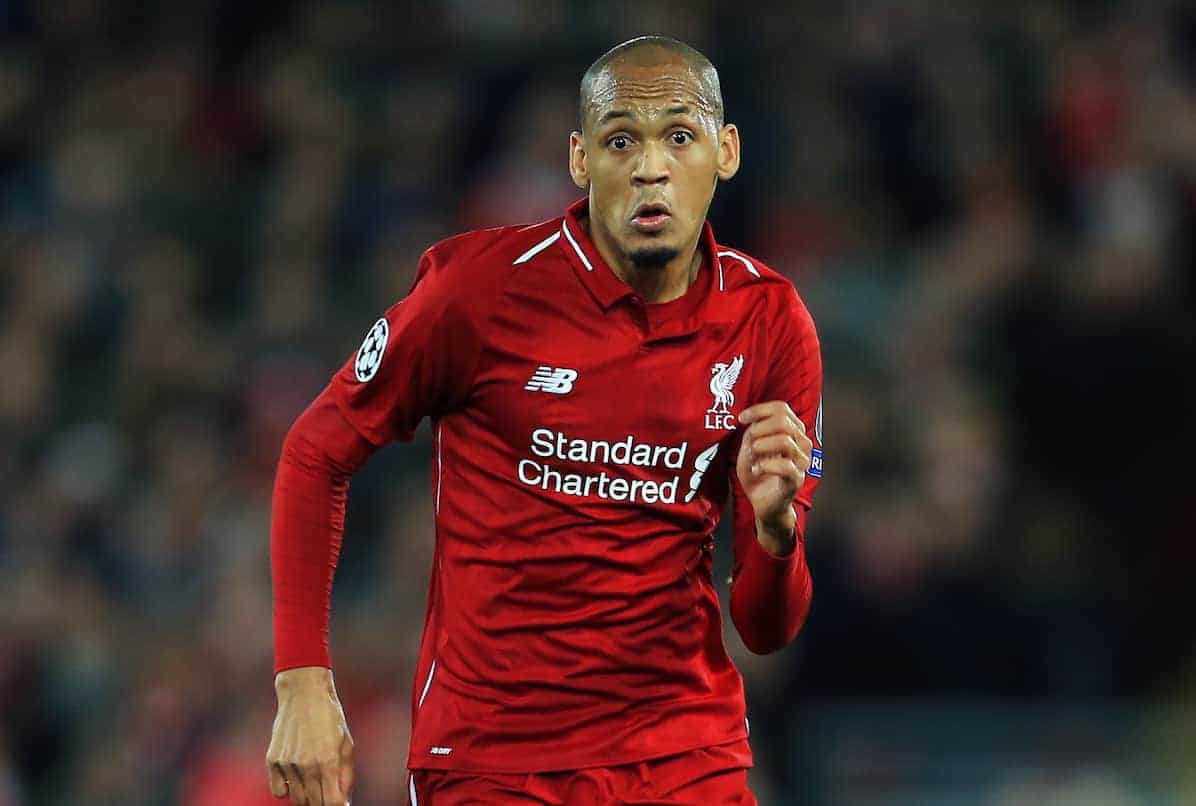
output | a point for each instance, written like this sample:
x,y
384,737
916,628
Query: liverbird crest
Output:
x,y
722,383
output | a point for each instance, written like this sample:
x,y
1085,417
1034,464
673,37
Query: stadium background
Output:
x,y
989,208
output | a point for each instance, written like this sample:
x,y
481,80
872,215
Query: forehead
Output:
x,y
648,86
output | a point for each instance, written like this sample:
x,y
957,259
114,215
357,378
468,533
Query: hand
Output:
x,y
311,752
772,463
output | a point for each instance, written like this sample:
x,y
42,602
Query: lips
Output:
x,y
651,217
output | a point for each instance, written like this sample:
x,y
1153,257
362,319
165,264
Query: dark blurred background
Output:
x,y
989,208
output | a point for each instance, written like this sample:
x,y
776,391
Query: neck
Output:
x,y
656,284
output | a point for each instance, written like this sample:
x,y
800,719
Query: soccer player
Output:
x,y
598,385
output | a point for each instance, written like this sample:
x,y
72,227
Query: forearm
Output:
x,y
771,592
319,455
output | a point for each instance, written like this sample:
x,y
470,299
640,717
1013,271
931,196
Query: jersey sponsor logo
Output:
x,y
609,483
369,355
547,444
722,382
815,464
554,380
702,462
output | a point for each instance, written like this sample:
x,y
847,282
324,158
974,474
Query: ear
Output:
x,y
728,151
577,161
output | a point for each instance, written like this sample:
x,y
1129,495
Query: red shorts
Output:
x,y
711,776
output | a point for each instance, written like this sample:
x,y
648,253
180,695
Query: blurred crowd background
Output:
x,y
990,209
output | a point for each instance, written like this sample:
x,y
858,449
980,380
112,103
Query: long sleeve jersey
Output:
x,y
584,448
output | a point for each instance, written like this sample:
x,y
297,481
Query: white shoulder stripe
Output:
x,y
537,249
585,260
747,264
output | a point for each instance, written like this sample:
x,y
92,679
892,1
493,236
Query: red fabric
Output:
x,y
320,453
582,460
712,776
770,595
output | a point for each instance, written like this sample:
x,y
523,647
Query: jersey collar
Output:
x,y
605,286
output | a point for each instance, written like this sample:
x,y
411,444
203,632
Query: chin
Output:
x,y
652,256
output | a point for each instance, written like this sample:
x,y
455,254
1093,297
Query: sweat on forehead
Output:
x,y
651,67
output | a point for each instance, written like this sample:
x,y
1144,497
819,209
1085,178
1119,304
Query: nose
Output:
x,y
653,167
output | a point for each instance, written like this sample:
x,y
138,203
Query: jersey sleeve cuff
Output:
x,y
282,664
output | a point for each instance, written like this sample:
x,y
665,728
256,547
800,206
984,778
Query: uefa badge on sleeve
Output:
x,y
369,355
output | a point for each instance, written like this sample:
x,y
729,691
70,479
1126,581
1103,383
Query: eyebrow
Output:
x,y
614,114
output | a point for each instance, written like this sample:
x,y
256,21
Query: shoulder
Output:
x,y
763,290
471,269
488,254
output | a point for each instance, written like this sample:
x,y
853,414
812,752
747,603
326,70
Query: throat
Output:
x,y
657,274
660,280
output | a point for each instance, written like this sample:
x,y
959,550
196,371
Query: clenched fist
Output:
x,y
772,463
311,752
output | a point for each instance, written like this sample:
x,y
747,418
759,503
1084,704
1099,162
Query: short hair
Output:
x,y
706,71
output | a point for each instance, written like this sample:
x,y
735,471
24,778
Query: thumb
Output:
x,y
347,775
743,463
278,782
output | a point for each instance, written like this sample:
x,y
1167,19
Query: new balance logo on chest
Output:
x,y
554,380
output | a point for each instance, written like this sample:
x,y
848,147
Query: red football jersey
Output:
x,y
584,446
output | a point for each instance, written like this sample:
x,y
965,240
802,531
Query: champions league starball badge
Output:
x,y
369,355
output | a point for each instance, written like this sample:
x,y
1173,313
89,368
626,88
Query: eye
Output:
x,y
681,138
619,142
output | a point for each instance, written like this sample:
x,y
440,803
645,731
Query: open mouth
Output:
x,y
651,217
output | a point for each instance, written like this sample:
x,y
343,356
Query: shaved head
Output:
x,y
597,86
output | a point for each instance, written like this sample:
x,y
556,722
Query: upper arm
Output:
x,y
418,359
795,376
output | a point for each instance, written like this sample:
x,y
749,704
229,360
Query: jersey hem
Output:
x,y
614,762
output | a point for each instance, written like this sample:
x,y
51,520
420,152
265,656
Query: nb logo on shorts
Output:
x,y
554,380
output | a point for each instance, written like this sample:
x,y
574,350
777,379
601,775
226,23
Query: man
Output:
x,y
598,384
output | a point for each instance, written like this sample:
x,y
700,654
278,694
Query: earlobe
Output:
x,y
728,151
